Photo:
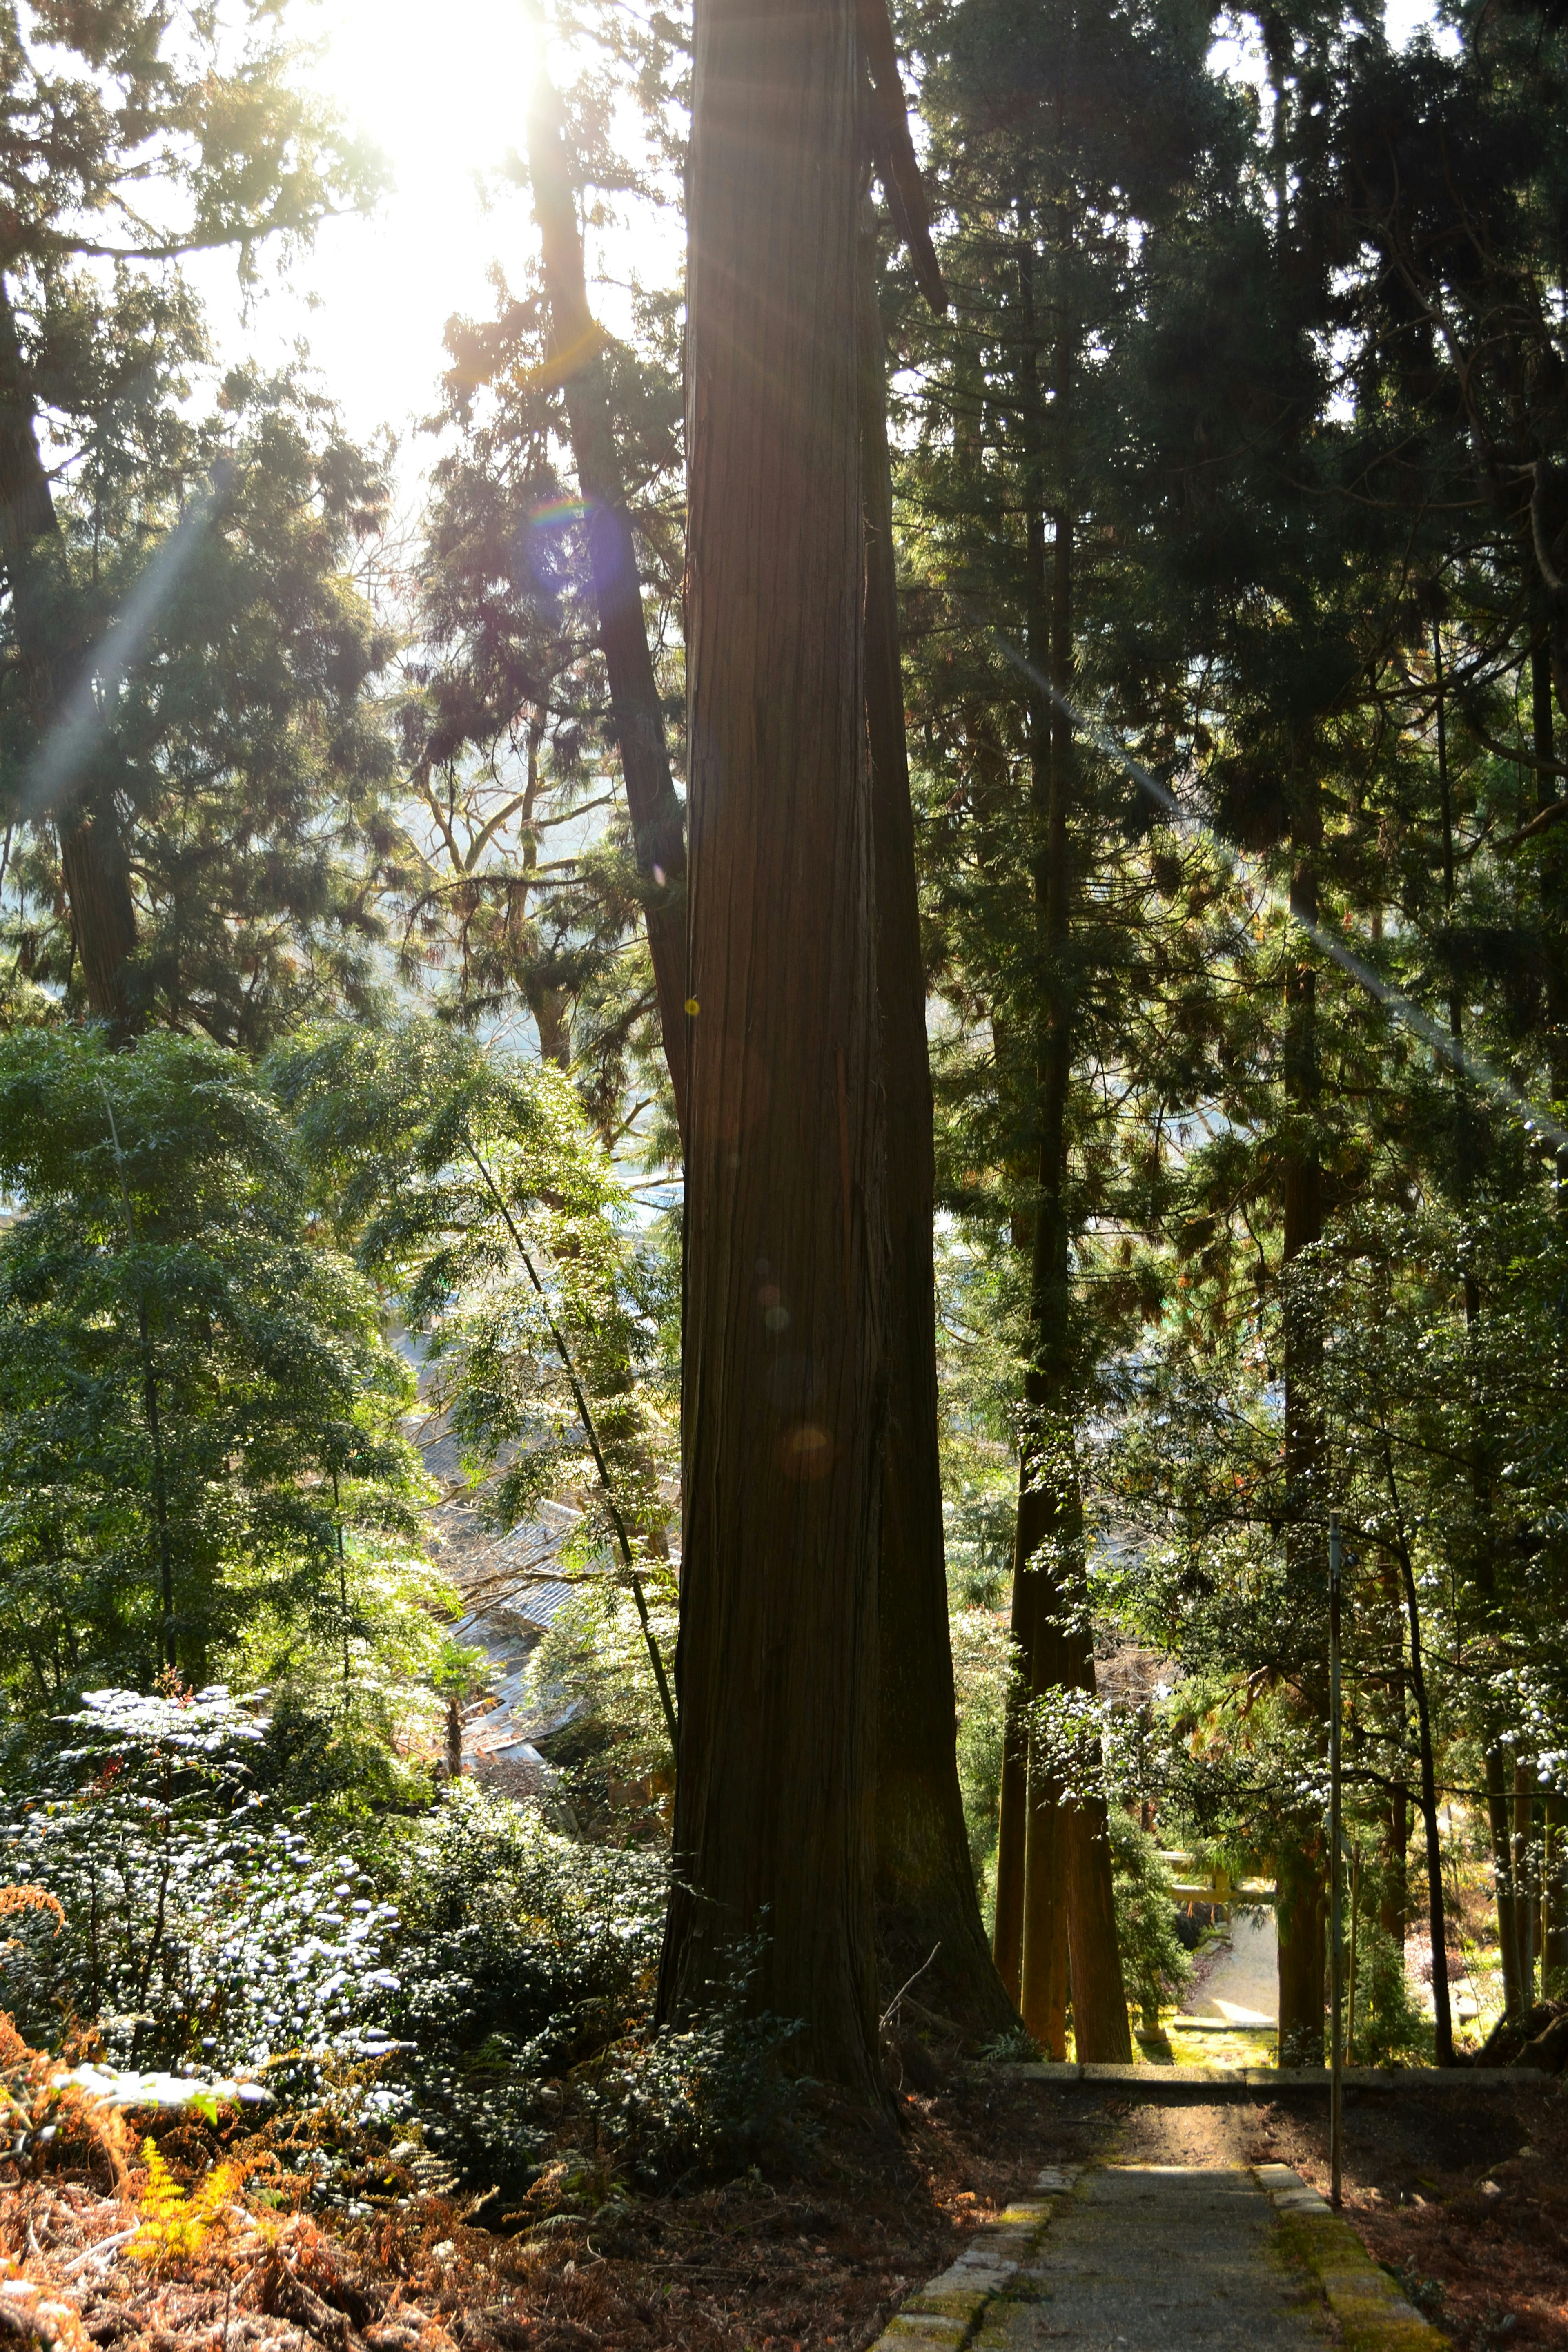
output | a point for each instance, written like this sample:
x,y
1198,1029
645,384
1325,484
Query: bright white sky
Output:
x,y
443,92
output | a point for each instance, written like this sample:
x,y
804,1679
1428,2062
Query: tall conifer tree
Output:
x,y
783,1372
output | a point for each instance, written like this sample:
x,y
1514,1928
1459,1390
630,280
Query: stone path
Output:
x,y
1170,2241
1145,2257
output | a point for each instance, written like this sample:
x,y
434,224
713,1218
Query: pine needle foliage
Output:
x,y
196,1402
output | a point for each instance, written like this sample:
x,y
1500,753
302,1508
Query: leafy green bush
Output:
x,y
1390,2022
1153,1962
202,1926
672,2109
466,1971
529,1962
522,1953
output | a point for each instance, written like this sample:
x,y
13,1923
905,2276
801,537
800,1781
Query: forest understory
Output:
x,y
783,1177
811,2249
1464,2199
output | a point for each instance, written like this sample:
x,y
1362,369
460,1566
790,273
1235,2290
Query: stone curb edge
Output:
x,y
945,2316
1438,2079
1372,2314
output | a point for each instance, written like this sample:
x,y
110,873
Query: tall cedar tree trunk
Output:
x,y
1551,892
1053,1860
1013,1799
1023,1785
1301,1896
925,1882
93,862
785,1272
1081,1835
1467,1146
925,1885
578,352
1300,1899
1043,1950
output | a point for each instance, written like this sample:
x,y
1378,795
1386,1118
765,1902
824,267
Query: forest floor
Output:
x,y
1466,2199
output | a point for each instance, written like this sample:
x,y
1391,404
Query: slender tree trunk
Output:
x,y
1301,1920
1554,1898
1436,1924
1100,2028
784,1359
1030,1937
1047,1885
1500,1831
1393,1900
1393,1896
658,830
1541,727
1524,1877
925,1883
1012,1811
1301,1868
552,1018
1553,883
93,863
96,877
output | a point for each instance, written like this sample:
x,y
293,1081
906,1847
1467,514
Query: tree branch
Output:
x,y
896,166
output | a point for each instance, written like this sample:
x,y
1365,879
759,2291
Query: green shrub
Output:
x,y
202,1925
522,1953
1153,1963
982,1662
1390,2024
670,2109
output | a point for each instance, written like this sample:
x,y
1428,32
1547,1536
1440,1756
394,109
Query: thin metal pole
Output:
x,y
1355,1923
1336,1921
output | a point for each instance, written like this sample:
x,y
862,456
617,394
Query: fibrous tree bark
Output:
x,y
93,862
927,1910
783,1366
1042,1960
578,353
1442,2014
1524,1874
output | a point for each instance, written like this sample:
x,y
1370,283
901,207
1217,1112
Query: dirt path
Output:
x,y
1218,2136
1237,1982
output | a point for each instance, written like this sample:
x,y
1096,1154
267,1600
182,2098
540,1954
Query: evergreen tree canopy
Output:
x,y
195,1397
